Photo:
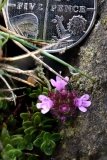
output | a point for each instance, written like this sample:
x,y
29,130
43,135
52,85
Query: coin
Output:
x,y
64,21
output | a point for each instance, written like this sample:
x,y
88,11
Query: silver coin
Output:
x,y
64,21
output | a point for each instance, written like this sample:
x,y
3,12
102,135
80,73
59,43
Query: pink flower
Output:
x,y
82,102
63,118
59,83
63,104
46,104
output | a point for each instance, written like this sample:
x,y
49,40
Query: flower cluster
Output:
x,y
62,104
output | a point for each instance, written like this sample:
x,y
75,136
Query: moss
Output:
x,y
70,132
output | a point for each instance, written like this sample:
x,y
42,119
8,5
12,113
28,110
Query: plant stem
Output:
x,y
27,44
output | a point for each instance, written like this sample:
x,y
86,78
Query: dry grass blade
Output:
x,y
23,81
13,95
14,89
12,69
26,55
22,37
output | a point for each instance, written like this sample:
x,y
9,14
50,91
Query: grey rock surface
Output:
x,y
86,137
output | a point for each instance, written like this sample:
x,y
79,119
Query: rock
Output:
x,y
89,138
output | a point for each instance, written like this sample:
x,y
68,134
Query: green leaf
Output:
x,y
4,156
28,138
14,153
6,141
29,130
38,142
55,137
39,91
27,91
48,121
54,90
33,95
45,89
32,158
17,135
8,147
68,121
45,93
15,141
1,104
47,127
27,124
34,134
29,146
21,145
47,147
19,130
14,158
25,116
46,136
37,120
23,157
41,134
37,113
4,133
12,121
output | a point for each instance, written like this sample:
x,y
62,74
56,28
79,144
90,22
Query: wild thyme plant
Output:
x,y
22,135
36,128
62,103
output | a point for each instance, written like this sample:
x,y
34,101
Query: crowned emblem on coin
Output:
x,y
64,21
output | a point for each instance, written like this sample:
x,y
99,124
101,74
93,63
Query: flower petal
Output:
x,y
86,103
50,103
46,107
53,82
83,109
67,78
78,102
58,78
44,111
59,83
59,87
85,97
39,105
64,92
42,98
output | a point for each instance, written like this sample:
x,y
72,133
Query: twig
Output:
x,y
6,98
14,89
30,154
23,81
12,69
13,95
19,36
26,55
4,16
16,110
11,98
